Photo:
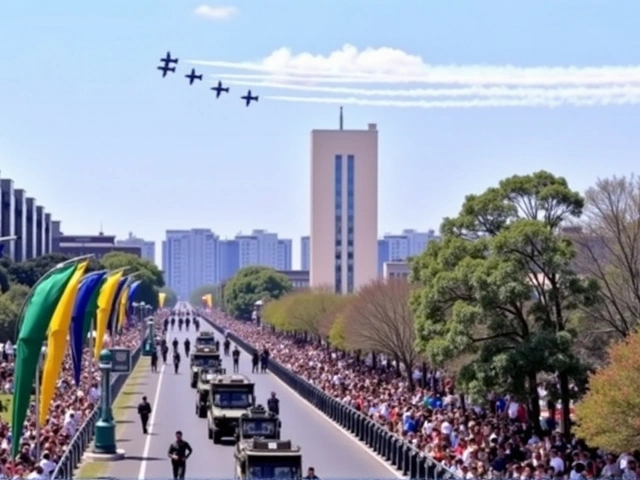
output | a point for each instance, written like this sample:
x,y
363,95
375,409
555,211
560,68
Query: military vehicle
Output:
x,y
203,357
263,458
205,377
205,339
230,396
258,422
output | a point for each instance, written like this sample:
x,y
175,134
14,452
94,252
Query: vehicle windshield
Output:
x,y
258,428
232,399
201,361
205,341
284,470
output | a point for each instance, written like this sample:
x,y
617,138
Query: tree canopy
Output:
x,y
501,285
251,284
146,271
609,414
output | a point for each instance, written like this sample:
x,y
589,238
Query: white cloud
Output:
x,y
216,13
447,86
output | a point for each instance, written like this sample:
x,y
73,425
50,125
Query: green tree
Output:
x,y
5,280
147,272
30,271
171,298
8,318
251,284
196,296
500,285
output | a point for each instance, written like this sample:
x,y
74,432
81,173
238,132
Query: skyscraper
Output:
x,y
264,248
344,208
284,254
190,259
304,253
410,243
147,248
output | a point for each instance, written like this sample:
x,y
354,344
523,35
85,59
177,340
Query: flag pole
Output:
x,y
23,308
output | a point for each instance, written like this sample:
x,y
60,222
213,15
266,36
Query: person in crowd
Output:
x,y
264,360
236,359
255,362
144,411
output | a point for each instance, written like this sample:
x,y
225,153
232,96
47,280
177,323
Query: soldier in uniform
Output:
x,y
236,359
179,452
144,411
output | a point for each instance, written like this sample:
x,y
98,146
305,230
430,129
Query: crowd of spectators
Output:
x,y
494,440
70,407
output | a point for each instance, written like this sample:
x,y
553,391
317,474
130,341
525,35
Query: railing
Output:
x,y
73,455
403,456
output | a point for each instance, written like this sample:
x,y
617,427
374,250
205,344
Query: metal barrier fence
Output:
x,y
73,455
403,456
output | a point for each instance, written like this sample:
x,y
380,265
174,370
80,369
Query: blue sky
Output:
x,y
90,129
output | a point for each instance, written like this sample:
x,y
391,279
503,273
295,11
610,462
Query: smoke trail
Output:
x,y
474,103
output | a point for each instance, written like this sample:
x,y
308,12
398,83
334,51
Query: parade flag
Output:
x,y
105,303
35,317
161,298
86,299
122,310
57,340
115,307
132,292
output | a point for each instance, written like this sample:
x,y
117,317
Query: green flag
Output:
x,y
90,312
36,316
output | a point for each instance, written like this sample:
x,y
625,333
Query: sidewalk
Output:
x,y
129,435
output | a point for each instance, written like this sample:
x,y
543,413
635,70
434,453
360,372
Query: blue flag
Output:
x,y
87,288
115,306
132,292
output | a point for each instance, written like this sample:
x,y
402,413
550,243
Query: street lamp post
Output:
x,y
104,446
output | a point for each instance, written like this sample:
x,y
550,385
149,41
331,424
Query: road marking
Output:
x,y
152,421
347,433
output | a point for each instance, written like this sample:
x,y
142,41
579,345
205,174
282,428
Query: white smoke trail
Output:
x,y
627,91
474,103
478,75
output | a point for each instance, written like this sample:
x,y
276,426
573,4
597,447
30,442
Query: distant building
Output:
x,y
305,253
410,243
284,254
344,208
190,259
96,245
148,248
264,249
298,278
229,259
395,270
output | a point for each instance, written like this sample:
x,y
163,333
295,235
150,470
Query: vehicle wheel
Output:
x,y
193,385
210,433
202,412
216,437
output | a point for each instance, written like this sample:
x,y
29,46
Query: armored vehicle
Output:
x,y
205,376
258,422
260,458
205,339
230,396
203,357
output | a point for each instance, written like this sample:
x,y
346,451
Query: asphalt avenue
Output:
x,y
333,453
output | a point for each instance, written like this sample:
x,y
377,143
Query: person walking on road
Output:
x,y
144,411
176,361
311,474
179,452
154,361
236,359
255,361
273,404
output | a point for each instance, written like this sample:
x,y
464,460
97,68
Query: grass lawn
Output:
x,y
91,468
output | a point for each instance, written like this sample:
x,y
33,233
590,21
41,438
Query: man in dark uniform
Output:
x,y
176,361
236,359
144,410
311,474
179,452
255,360
175,344
273,404
187,347
226,346
154,360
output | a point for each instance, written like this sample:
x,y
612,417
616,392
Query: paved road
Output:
x,y
334,453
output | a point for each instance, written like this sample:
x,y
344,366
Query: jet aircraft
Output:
x,y
166,69
248,98
168,60
193,77
219,89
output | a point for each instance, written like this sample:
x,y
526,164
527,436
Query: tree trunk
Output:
x,y
398,370
411,383
374,360
534,405
565,402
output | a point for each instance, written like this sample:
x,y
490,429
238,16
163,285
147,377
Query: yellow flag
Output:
x,y
161,297
57,340
105,302
209,300
122,310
